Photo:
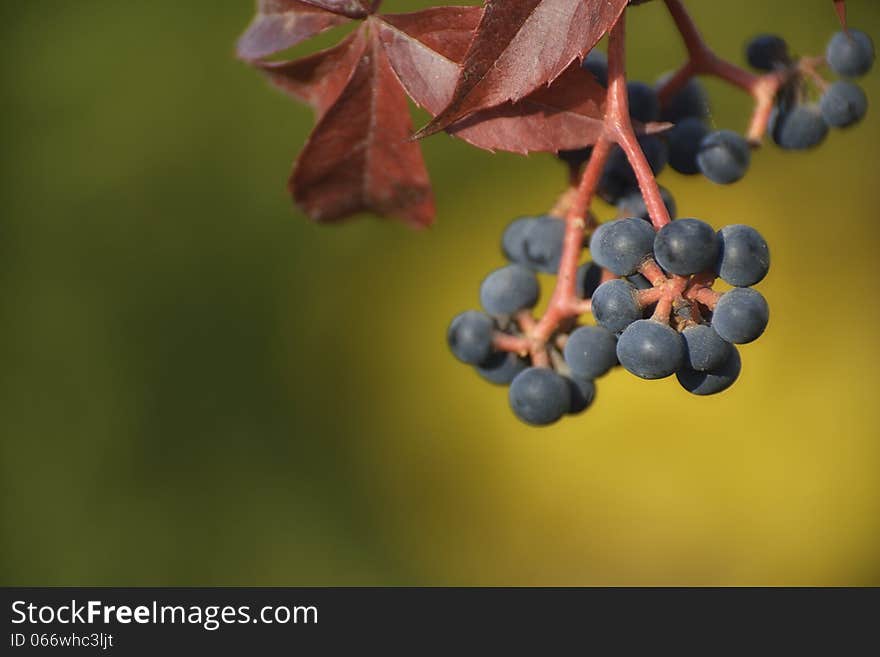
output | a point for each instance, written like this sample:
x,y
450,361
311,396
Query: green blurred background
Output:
x,y
197,386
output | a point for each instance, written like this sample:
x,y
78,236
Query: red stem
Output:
x,y
619,127
515,344
840,8
707,297
651,270
564,303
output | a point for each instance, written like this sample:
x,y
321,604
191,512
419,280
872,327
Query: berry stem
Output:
x,y
840,8
564,302
648,297
620,129
706,296
663,309
651,270
512,343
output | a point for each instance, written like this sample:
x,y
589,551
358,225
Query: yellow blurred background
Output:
x,y
197,386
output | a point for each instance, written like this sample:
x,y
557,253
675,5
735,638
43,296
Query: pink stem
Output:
x,y
840,7
707,297
651,270
649,296
512,343
564,302
663,309
619,126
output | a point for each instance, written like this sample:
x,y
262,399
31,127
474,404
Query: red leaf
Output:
x,y
425,49
521,45
360,157
566,115
320,78
350,8
281,24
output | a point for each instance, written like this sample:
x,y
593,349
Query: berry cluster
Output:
x,y
538,395
662,316
649,280
678,325
689,147
723,156
799,123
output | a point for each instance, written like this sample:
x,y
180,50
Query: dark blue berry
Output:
x,y
704,348
643,103
542,244
800,128
691,101
591,351
470,337
508,290
587,279
767,51
596,62
582,392
539,396
513,239
650,350
724,157
712,381
684,141
618,176
686,246
850,53
615,306
741,315
621,246
843,104
744,258
576,157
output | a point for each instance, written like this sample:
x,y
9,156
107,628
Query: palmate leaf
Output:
x,y
281,24
425,50
521,45
360,156
350,8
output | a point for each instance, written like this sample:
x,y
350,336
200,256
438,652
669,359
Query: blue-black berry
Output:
x,y
591,352
539,396
799,128
713,381
843,104
704,349
744,259
741,315
615,306
470,337
767,51
850,53
508,290
622,245
724,157
650,350
686,246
